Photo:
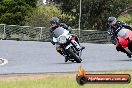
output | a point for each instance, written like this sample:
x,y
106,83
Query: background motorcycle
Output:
x,y
124,38
68,44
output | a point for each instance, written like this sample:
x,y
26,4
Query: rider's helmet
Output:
x,y
54,20
112,21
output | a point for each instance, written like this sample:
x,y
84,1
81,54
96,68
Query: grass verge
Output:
x,y
55,81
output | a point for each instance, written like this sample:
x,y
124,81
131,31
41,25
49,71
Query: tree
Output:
x,y
32,3
15,11
42,14
95,12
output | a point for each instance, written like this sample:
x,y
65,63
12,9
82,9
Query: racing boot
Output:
x,y
82,47
66,58
129,55
77,40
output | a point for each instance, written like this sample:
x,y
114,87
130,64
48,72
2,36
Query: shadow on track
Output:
x,y
124,60
68,63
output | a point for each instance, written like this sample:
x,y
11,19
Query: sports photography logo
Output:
x,y
83,78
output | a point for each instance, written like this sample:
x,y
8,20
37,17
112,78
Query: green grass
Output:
x,y
55,81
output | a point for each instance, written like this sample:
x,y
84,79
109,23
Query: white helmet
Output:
x,y
112,20
54,20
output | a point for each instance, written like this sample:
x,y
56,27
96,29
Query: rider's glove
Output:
x,y
53,42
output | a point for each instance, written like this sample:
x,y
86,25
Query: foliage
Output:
x,y
95,12
14,11
57,81
42,14
126,18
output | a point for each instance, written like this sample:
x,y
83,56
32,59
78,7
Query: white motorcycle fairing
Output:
x,y
67,35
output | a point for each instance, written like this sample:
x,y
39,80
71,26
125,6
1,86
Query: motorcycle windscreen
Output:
x,y
58,31
123,33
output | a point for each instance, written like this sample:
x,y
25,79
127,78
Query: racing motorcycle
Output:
x,y
124,38
68,44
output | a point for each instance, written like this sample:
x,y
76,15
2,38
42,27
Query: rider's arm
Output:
x,y
65,26
110,30
51,36
127,26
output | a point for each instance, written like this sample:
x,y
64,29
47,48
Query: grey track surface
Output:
x,y
40,57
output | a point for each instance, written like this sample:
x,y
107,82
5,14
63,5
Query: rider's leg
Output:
x,y
59,50
120,48
77,40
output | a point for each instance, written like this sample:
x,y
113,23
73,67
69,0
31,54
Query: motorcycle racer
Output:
x,y
114,27
54,25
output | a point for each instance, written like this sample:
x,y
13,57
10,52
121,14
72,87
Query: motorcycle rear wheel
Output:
x,y
130,46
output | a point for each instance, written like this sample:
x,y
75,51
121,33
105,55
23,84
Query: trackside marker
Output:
x,y
3,61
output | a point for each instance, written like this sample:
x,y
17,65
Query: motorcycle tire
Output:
x,y
77,58
130,46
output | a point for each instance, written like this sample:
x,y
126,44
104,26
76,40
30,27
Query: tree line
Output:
x,y
94,12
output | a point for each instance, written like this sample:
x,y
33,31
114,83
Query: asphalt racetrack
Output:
x,y
41,57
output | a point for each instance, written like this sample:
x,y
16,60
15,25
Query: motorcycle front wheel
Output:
x,y
74,55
